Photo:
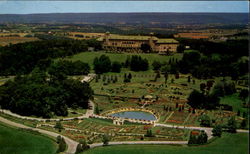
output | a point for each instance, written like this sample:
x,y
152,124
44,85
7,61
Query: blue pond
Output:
x,y
135,115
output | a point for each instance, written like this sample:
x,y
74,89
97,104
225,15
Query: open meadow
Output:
x,y
13,140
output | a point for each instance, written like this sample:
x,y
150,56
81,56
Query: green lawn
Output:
x,y
13,141
88,57
235,102
227,144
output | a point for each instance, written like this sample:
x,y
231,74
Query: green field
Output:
x,y
88,57
227,144
13,141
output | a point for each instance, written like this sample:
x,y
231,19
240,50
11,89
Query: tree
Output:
x,y
195,99
58,126
105,139
231,125
127,62
62,145
180,48
217,130
186,64
145,48
129,76
243,123
165,69
102,64
79,149
192,139
211,101
149,133
138,64
189,79
205,121
238,113
97,111
116,67
156,65
244,94
81,146
166,77
202,87
202,138
58,139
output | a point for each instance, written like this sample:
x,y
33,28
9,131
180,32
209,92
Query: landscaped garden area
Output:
x,y
178,100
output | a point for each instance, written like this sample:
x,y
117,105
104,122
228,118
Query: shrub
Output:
x,y
62,145
231,125
217,130
105,139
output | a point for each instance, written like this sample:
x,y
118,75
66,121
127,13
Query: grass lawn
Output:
x,y
235,102
227,144
88,57
13,141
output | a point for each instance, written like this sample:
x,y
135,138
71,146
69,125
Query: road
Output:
x,y
71,143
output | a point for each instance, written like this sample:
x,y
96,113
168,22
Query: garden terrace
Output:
x,y
93,129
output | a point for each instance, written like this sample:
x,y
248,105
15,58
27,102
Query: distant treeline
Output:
x,y
208,59
24,57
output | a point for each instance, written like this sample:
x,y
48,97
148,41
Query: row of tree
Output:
x,y
22,58
137,63
103,64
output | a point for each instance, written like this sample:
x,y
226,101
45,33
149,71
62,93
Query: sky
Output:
x,y
29,7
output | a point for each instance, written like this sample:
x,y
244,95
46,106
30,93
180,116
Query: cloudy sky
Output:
x,y
27,7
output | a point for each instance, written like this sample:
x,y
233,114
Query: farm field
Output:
x,y
14,40
13,140
221,145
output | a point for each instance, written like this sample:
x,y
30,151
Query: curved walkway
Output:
x,y
71,143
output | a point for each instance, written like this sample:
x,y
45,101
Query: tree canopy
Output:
x,y
38,94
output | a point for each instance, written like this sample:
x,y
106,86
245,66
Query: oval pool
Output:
x,y
135,115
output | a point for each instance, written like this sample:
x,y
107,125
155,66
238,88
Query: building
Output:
x,y
132,43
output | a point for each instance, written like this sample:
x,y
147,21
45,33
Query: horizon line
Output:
x,y
111,12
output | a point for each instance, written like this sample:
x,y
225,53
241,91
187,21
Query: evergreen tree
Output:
x,y
231,125
105,139
58,126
